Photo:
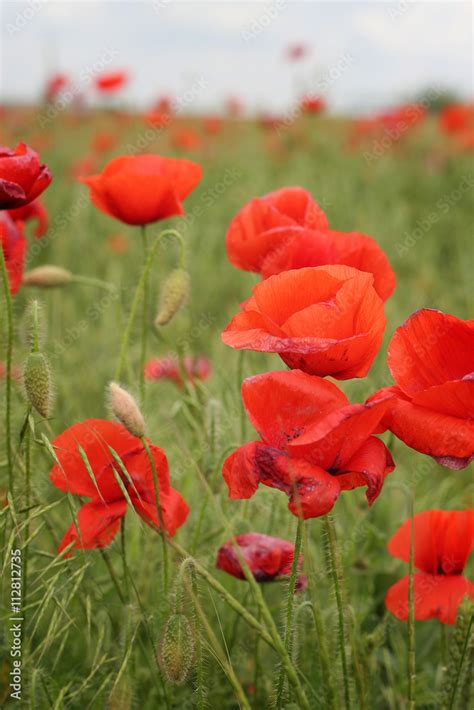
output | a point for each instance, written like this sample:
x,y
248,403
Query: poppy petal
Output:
x,y
335,438
98,524
281,405
436,597
174,510
94,436
431,348
368,467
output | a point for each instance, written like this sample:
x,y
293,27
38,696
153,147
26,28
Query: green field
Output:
x,y
84,646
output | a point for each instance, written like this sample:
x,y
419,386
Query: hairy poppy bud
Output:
x,y
173,295
47,276
126,410
176,649
37,381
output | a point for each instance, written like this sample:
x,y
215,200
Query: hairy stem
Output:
x,y
8,372
145,307
290,605
411,667
336,572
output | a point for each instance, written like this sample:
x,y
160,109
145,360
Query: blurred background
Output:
x,y
360,55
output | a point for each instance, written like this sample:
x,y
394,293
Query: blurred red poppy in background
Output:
x,y
443,541
55,85
99,519
457,118
142,189
324,320
34,211
168,368
431,358
312,104
22,177
268,558
103,142
186,139
252,232
314,445
297,51
13,243
110,82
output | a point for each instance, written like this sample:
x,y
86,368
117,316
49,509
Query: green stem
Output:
x,y
460,664
163,533
8,374
123,551
336,572
243,417
90,281
290,604
27,505
138,294
145,307
411,667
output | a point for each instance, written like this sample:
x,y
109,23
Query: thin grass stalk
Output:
x,y
411,665
290,604
27,443
336,572
163,533
8,371
138,295
460,664
326,670
220,654
145,307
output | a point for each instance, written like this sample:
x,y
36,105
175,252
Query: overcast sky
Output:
x,y
363,55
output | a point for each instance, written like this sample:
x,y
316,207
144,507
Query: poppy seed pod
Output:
x,y
126,410
176,650
47,276
173,295
37,381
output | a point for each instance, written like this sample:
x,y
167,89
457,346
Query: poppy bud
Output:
x,y
47,276
126,410
176,650
121,695
173,295
37,381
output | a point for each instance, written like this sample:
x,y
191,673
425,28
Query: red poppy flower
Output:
x,y
213,125
443,541
234,107
457,118
158,119
312,104
297,247
431,358
110,82
35,211
251,234
325,320
168,368
268,558
55,85
103,142
13,243
99,519
314,445
297,51
144,188
22,177
186,139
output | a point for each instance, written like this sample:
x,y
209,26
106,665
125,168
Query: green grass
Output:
x,y
80,637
